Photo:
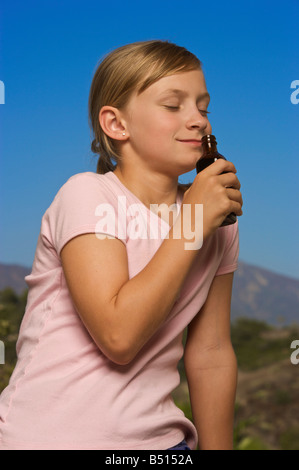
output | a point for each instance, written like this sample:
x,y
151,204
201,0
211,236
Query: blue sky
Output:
x,y
250,55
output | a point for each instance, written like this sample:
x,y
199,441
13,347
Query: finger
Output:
x,y
235,195
230,180
220,166
235,207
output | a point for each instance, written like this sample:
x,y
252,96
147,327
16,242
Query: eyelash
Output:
x,y
176,108
172,108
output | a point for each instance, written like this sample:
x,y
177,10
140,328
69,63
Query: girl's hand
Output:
x,y
218,189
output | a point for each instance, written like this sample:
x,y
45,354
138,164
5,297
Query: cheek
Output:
x,y
165,128
155,128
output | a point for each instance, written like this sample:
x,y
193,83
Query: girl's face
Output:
x,y
166,122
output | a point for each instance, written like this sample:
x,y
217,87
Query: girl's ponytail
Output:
x,y
104,162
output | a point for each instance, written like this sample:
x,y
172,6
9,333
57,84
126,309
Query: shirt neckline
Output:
x,y
178,197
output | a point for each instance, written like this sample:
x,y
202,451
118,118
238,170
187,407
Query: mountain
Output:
x,y
12,275
257,293
264,295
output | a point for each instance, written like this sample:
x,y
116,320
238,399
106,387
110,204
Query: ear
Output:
x,y
112,123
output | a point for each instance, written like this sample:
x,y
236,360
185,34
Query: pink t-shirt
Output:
x,y
64,392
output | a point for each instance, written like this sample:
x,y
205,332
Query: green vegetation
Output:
x,y
289,440
258,344
12,307
268,391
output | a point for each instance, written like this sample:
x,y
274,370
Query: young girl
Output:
x,y
115,281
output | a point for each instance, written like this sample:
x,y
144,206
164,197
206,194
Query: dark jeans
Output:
x,y
181,446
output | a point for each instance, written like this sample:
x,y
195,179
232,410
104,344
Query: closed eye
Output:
x,y
204,112
172,108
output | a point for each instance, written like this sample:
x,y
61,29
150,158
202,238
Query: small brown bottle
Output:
x,y
210,155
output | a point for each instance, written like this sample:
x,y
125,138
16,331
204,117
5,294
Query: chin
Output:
x,y
179,167
181,170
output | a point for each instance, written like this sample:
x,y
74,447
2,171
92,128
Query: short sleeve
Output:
x,y
86,203
229,261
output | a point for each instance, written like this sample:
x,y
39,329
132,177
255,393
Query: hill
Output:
x,y
12,275
267,407
261,294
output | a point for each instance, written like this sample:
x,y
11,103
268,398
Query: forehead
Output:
x,y
185,83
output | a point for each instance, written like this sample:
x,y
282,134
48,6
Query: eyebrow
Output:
x,y
184,93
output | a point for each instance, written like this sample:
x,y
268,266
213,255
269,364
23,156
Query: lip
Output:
x,y
194,142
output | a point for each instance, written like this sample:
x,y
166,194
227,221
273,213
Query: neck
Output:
x,y
150,187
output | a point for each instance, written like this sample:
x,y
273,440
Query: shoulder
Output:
x,y
78,207
229,234
86,185
82,179
80,196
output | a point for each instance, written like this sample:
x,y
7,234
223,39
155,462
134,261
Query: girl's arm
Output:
x,y
122,314
211,368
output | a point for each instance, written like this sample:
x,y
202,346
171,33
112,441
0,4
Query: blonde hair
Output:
x,y
128,69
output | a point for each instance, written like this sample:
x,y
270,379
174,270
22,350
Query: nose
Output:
x,y
197,121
